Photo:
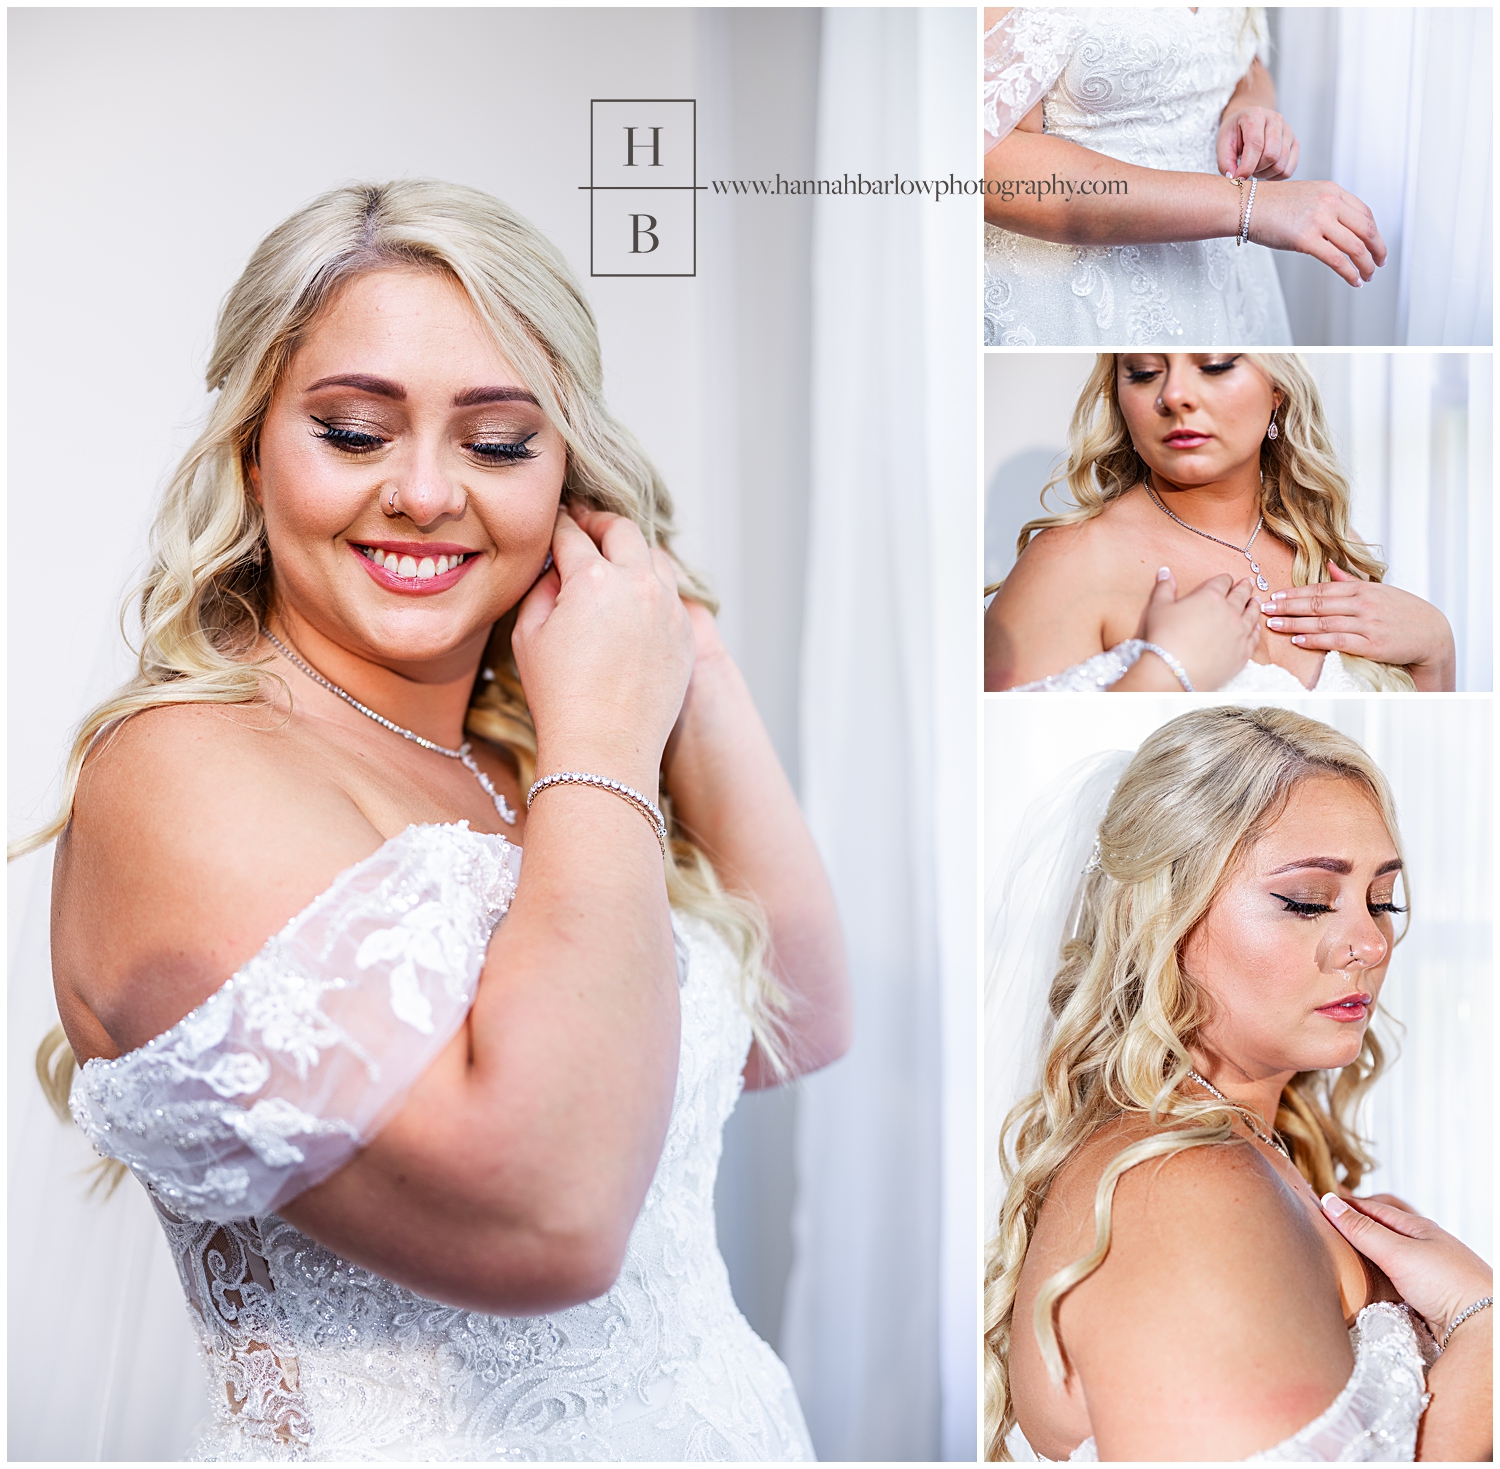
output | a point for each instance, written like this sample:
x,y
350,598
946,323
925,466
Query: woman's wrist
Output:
x,y
609,757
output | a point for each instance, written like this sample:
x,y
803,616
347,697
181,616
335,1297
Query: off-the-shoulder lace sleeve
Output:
x,y
1092,676
1374,1419
279,1076
1024,53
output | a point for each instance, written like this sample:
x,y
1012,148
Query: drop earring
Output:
x,y
1272,432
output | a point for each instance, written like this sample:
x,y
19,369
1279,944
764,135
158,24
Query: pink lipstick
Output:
x,y
1350,1008
414,568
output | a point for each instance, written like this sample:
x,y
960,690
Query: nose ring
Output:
x,y
391,503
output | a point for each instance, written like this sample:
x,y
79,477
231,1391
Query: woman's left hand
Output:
x,y
1367,619
1255,142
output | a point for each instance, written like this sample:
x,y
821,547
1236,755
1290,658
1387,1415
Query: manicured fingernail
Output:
x,y
1275,622
1164,573
1277,596
1299,640
1267,606
1333,1204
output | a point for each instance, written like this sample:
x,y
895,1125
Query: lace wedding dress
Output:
x,y
1374,1419
1147,87
1098,673
274,1081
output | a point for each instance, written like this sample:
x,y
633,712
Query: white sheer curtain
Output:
x,y
886,1187
1395,105
1414,431
1430,1116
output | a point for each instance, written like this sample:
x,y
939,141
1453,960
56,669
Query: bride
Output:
x,y
1208,547
1181,1269
432,1130
1130,153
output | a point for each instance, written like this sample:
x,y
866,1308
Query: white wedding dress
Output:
x,y
275,1080
1373,1420
1095,675
1145,86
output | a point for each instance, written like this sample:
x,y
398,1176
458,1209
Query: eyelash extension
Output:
x,y
1141,375
507,452
1311,910
346,438
1307,910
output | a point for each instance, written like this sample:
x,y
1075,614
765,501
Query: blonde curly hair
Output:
x,y
1305,494
208,587
1195,798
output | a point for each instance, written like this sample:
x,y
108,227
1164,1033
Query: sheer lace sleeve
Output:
x,y
1375,1417
1024,53
1092,676
279,1076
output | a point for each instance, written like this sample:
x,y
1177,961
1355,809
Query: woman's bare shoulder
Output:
x,y
197,831
1049,612
1213,1329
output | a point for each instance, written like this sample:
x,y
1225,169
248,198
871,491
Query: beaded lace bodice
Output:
x,y
1148,87
1374,1419
1105,669
296,1061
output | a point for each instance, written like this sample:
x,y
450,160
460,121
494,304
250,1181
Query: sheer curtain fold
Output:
x,y
1395,105
882,1370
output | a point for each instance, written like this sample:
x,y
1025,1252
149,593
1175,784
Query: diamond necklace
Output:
x,y
1274,1142
461,753
1244,550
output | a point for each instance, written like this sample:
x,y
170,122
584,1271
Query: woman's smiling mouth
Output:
x,y
413,567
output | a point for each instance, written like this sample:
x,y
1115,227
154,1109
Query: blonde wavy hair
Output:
x,y
209,583
1305,494
1194,800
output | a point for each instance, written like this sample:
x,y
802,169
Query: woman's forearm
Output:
x,y
1458,1425
1053,189
729,791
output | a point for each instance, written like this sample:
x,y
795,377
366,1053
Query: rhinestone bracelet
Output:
x,y
1172,663
1483,1303
1245,223
648,809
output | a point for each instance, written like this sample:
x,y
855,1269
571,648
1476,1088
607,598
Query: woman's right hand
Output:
x,y
1322,220
604,647
1212,631
1435,1274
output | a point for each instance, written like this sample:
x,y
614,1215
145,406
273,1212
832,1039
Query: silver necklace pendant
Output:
x,y
461,754
1261,583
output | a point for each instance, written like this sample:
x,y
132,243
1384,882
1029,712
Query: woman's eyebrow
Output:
x,y
470,397
1341,865
382,387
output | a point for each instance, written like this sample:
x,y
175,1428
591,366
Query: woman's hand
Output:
x,y
1368,619
1435,1274
1212,631
1255,142
1321,220
604,646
